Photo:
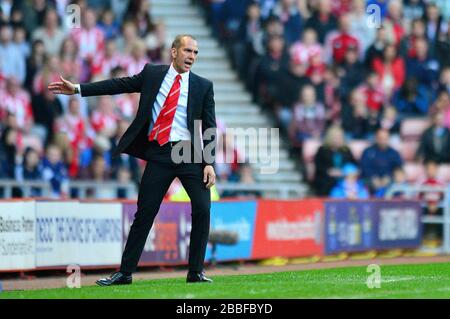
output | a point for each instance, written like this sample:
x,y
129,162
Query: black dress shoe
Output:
x,y
197,277
117,278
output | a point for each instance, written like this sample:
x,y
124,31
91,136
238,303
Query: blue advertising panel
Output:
x,y
238,217
348,226
398,224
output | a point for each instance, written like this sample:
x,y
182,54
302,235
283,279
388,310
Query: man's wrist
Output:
x,y
77,89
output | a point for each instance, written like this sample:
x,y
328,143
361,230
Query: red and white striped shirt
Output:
x,y
19,105
90,42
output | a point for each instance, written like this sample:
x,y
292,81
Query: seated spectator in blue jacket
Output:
x,y
421,66
351,187
288,13
412,98
379,161
55,171
30,170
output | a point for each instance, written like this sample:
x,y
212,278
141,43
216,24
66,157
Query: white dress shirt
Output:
x,y
179,130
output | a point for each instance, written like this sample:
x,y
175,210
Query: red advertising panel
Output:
x,y
288,228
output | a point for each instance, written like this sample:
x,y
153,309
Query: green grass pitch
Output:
x,y
397,281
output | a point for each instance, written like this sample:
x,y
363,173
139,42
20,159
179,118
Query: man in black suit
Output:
x,y
175,115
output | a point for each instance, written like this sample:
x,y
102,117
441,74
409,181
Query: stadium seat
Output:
x,y
412,129
310,148
414,172
444,173
408,150
357,147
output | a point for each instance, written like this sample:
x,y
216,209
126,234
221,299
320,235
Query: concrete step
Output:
x,y
279,177
237,121
195,31
241,111
184,22
232,98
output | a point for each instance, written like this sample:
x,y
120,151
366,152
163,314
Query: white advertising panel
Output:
x,y
17,235
86,234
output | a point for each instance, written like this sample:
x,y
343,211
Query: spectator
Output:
x,y
413,10
302,52
49,73
89,38
46,109
19,39
433,202
308,117
391,69
373,93
399,181
30,170
14,100
411,99
329,161
106,61
273,69
378,163
390,121
249,40
376,49
338,42
109,25
421,67
359,27
442,104
407,44
139,12
352,72
34,63
351,187
127,38
322,20
10,143
137,59
104,118
357,121
435,24
435,141
155,40
444,80
244,177
51,34
55,171
393,21
71,65
12,60
287,12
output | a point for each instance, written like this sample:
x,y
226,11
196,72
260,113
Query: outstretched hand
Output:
x,y
64,87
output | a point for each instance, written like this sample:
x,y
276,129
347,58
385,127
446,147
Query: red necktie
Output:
x,y
163,124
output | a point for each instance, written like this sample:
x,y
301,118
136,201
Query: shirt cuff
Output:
x,y
78,88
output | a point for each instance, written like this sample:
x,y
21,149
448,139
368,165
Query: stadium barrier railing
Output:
x,y
413,192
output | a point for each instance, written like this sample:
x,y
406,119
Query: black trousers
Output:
x,y
159,173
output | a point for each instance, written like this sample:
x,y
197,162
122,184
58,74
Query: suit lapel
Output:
x,y
191,96
155,85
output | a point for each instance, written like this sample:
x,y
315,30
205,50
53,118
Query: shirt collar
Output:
x,y
173,73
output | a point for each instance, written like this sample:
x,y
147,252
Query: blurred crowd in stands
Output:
x,y
58,138
344,84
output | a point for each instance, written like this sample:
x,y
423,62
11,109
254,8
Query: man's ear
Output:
x,y
173,52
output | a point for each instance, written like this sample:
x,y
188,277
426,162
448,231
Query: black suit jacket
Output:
x,y
200,109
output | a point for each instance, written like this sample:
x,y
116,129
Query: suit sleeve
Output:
x,y
129,84
209,127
